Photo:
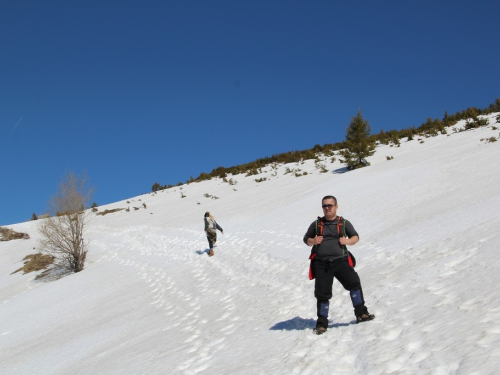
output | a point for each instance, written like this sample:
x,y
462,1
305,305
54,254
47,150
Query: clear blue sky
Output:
x,y
138,92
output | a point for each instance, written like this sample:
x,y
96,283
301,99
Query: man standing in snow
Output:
x,y
329,236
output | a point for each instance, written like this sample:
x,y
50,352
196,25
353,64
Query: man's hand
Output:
x,y
349,241
315,241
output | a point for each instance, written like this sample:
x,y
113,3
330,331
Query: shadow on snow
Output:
x,y
201,252
340,170
301,324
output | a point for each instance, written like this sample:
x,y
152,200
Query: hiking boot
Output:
x,y
211,253
365,317
319,330
362,314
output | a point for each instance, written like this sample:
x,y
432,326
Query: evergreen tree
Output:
x,y
359,144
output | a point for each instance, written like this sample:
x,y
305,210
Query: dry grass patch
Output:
x,y
8,234
105,212
35,262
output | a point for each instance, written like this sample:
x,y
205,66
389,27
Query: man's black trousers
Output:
x,y
325,272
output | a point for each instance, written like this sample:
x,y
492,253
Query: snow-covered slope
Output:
x,y
151,301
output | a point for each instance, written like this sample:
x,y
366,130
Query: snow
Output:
x,y
150,300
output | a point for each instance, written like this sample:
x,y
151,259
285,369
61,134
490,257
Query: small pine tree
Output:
x,y
359,144
34,217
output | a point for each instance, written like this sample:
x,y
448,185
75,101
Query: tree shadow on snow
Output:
x,y
301,324
53,273
340,170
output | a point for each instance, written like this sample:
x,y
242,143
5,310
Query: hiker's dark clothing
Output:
x,y
325,272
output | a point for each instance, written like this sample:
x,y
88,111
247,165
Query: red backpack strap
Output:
x,y
320,223
340,223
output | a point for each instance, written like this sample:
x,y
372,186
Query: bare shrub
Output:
x,y
62,234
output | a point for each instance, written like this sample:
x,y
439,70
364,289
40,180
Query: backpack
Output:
x,y
320,223
212,225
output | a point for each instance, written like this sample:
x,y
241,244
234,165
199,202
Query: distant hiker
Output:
x,y
210,229
330,259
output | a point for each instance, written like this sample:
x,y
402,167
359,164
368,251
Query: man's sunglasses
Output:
x,y
327,206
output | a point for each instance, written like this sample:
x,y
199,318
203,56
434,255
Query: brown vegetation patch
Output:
x,y
105,212
8,234
35,262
